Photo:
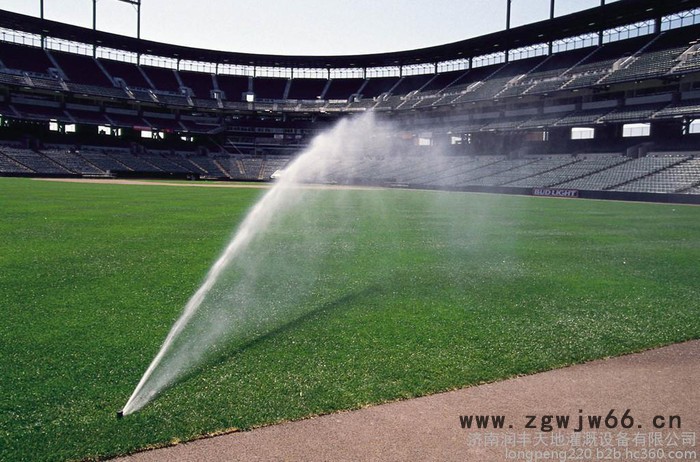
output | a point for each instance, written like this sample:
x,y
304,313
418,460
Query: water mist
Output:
x,y
255,286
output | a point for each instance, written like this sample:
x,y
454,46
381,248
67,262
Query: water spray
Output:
x,y
230,304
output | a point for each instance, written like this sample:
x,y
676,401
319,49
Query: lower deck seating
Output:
x,y
673,172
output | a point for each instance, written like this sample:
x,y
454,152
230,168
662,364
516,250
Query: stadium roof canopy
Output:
x,y
604,17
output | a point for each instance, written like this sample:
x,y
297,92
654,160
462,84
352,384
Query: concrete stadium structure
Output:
x,y
603,102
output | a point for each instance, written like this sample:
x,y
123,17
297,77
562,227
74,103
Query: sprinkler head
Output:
x,y
120,414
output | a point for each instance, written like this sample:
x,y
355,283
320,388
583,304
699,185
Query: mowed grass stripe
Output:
x,y
435,291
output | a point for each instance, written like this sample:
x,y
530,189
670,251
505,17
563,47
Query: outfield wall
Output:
x,y
582,194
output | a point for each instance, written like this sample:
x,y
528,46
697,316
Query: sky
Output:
x,y
301,27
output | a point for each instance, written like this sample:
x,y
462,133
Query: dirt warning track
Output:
x,y
645,403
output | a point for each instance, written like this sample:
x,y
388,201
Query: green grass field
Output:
x,y
437,291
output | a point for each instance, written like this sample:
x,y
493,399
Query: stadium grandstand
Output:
x,y
604,102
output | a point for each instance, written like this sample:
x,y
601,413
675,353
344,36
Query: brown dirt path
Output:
x,y
664,382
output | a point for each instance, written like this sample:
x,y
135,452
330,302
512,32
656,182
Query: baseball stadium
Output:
x,y
199,242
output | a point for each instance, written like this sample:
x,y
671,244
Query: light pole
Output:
x,y
136,3
508,2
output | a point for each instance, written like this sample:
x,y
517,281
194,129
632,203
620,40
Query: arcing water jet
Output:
x,y
240,297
